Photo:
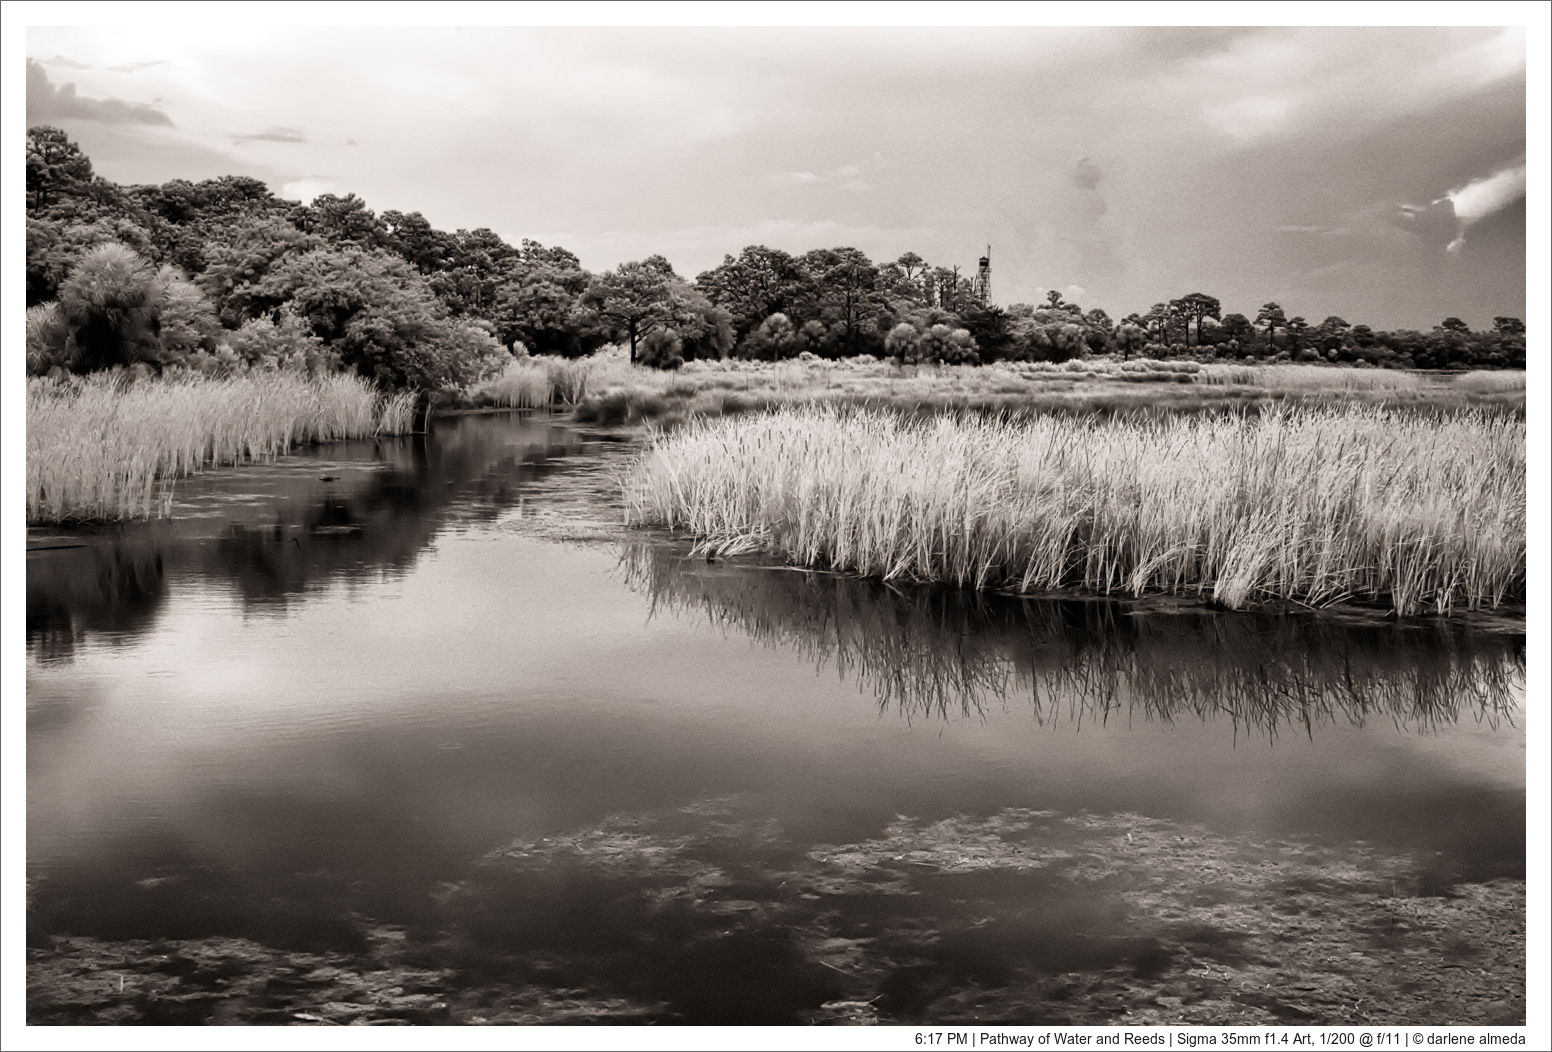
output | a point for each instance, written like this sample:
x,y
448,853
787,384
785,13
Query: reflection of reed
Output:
x,y
944,653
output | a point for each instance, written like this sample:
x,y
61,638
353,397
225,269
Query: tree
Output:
x,y
188,320
662,349
237,275
1332,334
989,326
1193,309
1066,342
941,343
1455,325
1508,326
902,341
1130,338
111,309
413,237
633,298
1158,320
758,283
1272,316
703,329
774,336
55,167
342,220
847,285
1298,330
1236,328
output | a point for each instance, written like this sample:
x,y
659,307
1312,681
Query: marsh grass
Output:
x,y
1314,506
614,392
105,447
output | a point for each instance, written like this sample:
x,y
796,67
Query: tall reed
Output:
x,y
1309,505
106,448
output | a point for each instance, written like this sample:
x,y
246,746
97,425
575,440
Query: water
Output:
x,y
439,719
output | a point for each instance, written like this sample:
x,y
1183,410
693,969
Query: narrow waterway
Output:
x,y
420,709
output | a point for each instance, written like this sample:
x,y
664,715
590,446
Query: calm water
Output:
x,y
438,695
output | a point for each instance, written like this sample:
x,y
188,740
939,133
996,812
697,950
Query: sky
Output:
x,y
1378,174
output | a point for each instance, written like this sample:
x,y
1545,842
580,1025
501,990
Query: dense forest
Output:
x,y
220,276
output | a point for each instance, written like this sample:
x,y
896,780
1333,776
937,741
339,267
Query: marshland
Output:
x,y
420,633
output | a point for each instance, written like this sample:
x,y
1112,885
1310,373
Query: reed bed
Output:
x,y
616,392
107,448
1313,506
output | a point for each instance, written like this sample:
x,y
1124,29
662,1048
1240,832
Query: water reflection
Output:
x,y
273,532
947,653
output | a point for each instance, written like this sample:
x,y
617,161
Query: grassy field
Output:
x,y
104,448
613,392
1413,511
606,389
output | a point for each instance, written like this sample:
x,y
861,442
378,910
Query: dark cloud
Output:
x,y
1436,223
136,67
46,103
1086,174
68,63
273,135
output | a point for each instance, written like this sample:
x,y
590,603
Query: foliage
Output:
x,y
56,167
111,309
336,265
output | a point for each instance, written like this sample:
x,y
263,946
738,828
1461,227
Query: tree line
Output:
x,y
221,275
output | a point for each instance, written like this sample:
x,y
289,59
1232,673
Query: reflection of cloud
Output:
x,y
273,135
45,103
67,63
136,67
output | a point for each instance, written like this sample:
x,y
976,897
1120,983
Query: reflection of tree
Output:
x,y
470,470
113,587
942,653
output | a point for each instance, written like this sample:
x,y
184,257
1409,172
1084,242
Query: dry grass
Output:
x,y
106,448
614,392
1309,505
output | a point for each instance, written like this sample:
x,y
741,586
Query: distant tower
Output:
x,y
983,278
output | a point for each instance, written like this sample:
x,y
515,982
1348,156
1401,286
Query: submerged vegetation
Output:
x,y
1313,506
106,447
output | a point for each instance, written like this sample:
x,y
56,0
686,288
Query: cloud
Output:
x,y
304,190
1457,211
67,63
1480,198
136,67
846,177
1436,223
1086,174
273,135
45,103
